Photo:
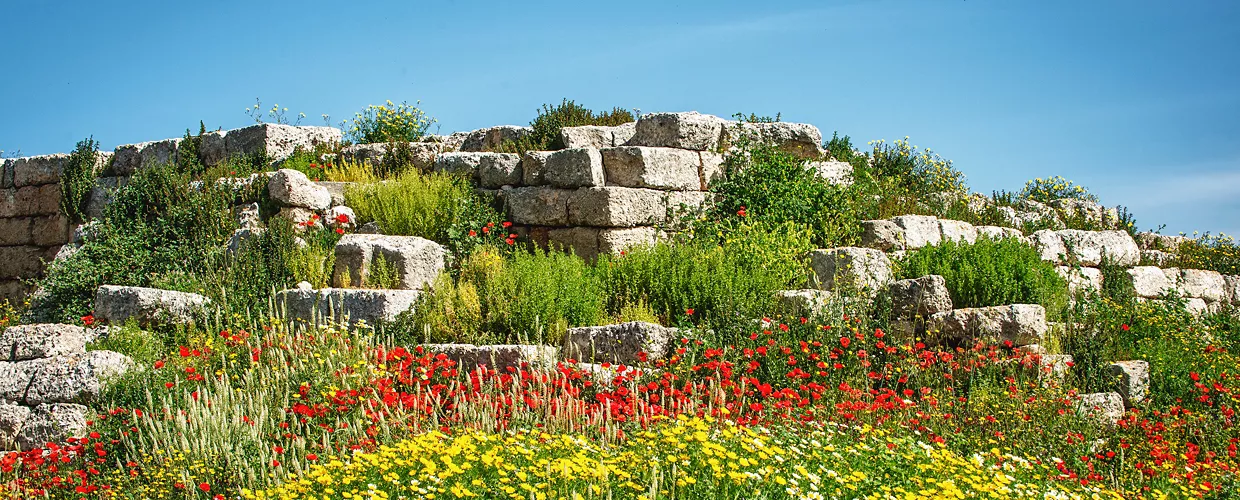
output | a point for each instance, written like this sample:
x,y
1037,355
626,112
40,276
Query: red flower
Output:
x,y
339,231
1124,327
88,319
204,486
312,457
509,241
507,224
342,218
742,211
689,312
169,384
159,364
473,233
844,341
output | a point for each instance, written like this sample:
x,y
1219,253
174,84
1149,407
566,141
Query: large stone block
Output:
x,y
1154,241
919,230
533,165
1050,246
570,168
958,231
1087,211
1081,279
42,340
539,205
1089,248
61,379
686,203
1105,408
851,268
499,169
801,139
51,423
277,140
691,130
999,232
12,417
15,231
1021,324
1133,379
882,235
118,304
656,168
581,241
102,193
21,262
588,136
1150,282
922,296
291,188
51,230
491,139
615,206
460,163
839,173
6,173
129,158
38,170
1202,284
619,343
713,168
417,261
618,240
341,305
423,153
806,303
1232,287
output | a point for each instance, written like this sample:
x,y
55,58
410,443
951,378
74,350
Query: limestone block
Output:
x,y
850,267
1154,241
42,340
291,188
712,170
499,169
1133,378
12,417
499,358
15,231
619,343
1081,279
882,235
51,230
588,136
117,304
130,158
571,168
21,262
346,305
839,173
277,140
539,205
959,231
999,232
418,261
37,170
1050,246
614,206
1022,324
922,296
51,423
1106,408
806,303
656,168
533,165
1203,284
1150,282
801,139
1089,248
919,230
1232,287
490,139
582,241
690,130
616,240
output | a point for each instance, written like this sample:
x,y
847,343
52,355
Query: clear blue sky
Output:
x,y
1137,100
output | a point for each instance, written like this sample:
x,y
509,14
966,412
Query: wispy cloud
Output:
x,y
1188,197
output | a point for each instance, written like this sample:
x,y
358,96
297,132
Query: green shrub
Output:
x,y
188,162
1054,188
723,282
77,178
381,274
766,184
914,171
155,226
440,207
389,122
547,125
268,262
991,273
1216,253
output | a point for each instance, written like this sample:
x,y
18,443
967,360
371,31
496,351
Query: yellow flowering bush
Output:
x,y
1054,188
388,123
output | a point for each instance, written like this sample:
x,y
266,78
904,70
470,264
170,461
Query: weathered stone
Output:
x,y
852,268
277,140
959,231
1050,246
213,147
21,262
1021,324
43,340
919,230
540,205
801,139
686,203
998,232
102,193
1154,241
15,231
571,168
491,139
1232,287
1203,284
1081,279
533,166
618,343
500,358
341,217
1032,212
50,230
499,169
622,134
336,190
657,168
292,188
118,304
615,206
51,423
301,218
1090,248
1133,378
1150,282
1196,306
922,296
423,153
615,241
839,173
130,158
588,136
806,303
582,241
12,417
691,130
417,261
1157,257
37,170
336,305
882,235
1088,211
1105,408
61,379
241,236
712,170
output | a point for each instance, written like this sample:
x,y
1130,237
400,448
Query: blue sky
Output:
x,y
1137,100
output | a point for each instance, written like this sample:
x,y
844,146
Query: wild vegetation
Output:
x,y
748,403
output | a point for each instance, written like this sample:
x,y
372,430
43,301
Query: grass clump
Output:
x,y
991,273
440,207
550,119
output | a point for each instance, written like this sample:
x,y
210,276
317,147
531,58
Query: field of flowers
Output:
x,y
748,403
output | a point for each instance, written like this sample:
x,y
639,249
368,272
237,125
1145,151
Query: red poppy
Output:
x,y
88,319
